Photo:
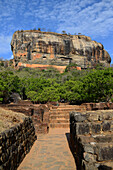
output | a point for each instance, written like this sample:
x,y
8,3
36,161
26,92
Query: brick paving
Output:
x,y
51,151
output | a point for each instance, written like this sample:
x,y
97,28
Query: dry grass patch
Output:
x,y
9,119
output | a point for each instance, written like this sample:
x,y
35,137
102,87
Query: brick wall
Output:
x,y
15,143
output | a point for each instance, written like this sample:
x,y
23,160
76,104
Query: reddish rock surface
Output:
x,y
43,49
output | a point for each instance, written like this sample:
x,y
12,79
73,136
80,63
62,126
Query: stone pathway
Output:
x,y
51,151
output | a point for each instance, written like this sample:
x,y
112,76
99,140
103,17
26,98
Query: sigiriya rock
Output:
x,y
36,48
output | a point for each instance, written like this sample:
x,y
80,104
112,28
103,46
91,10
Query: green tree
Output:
x,y
32,95
70,67
48,94
9,83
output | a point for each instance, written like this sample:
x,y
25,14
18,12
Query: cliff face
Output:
x,y
36,47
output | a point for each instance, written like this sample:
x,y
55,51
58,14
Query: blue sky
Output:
x,y
93,18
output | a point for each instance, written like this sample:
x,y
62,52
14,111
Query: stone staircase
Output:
x,y
59,115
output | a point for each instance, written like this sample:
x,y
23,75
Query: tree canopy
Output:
x,y
72,86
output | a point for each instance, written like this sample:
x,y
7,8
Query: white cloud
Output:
x,y
5,44
90,17
85,16
95,19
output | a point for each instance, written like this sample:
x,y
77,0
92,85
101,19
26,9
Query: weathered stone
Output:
x,y
96,128
77,116
43,49
92,116
106,126
15,97
92,140
89,165
103,139
89,148
89,157
82,128
105,153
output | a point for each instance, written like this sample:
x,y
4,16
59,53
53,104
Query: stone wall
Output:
x,y
39,114
15,143
92,139
97,106
40,119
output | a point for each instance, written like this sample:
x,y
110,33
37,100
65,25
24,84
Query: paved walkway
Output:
x,y
51,152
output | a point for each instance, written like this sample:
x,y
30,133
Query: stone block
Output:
x,y
77,116
106,126
103,139
105,153
89,157
88,166
82,128
88,148
108,115
92,116
95,128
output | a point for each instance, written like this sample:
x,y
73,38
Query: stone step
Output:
x,y
60,116
59,121
69,106
65,109
58,112
63,106
59,125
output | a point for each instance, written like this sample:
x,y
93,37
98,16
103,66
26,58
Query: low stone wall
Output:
x,y
97,106
40,119
92,139
38,112
15,143
41,113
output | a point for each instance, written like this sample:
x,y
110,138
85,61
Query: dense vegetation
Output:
x,y
49,85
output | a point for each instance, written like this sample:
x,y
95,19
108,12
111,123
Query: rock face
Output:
x,y
44,48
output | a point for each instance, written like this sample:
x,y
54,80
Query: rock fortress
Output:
x,y
36,49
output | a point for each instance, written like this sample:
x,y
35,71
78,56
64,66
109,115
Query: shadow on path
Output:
x,y
71,149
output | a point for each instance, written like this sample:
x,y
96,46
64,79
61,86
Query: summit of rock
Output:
x,y
34,48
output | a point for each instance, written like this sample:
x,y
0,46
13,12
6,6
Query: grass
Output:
x,y
9,119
